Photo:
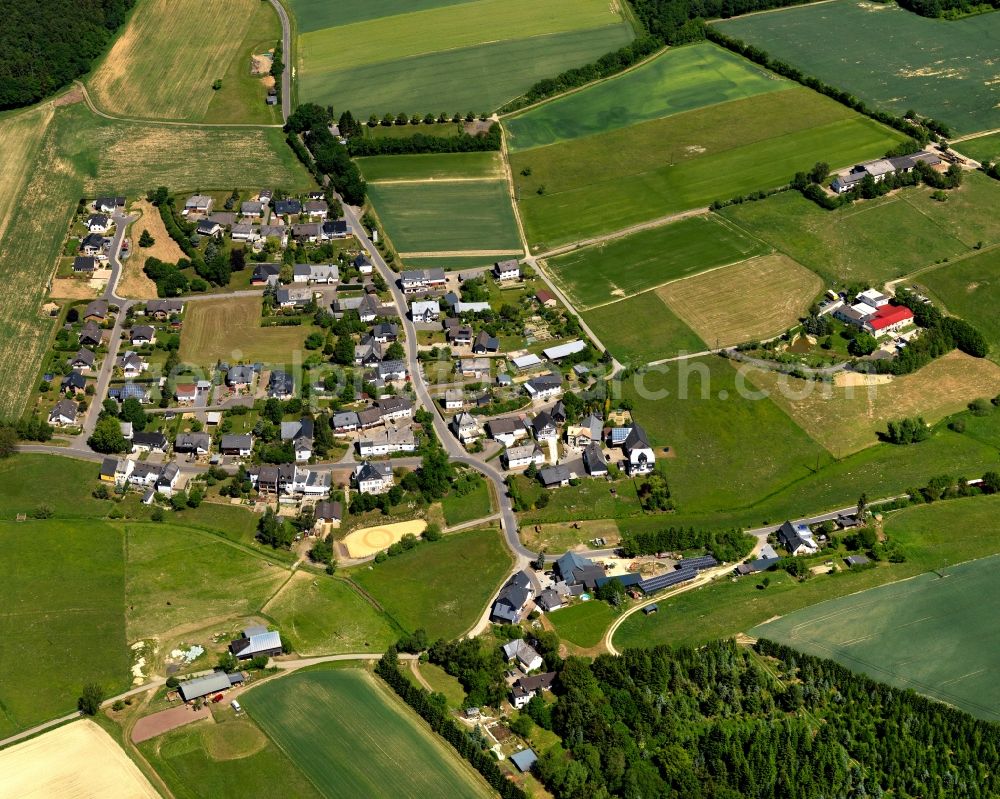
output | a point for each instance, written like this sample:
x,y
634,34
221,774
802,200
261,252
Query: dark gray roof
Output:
x,y
593,458
637,439
553,475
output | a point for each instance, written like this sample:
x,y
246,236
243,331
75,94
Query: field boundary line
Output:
x,y
512,190
455,253
978,135
393,181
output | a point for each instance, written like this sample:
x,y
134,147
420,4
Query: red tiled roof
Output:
x,y
890,315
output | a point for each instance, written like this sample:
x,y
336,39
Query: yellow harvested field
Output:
x,y
845,419
20,135
754,299
78,761
133,282
164,63
368,541
229,330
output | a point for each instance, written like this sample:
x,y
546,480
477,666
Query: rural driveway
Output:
x,y
286,46
170,719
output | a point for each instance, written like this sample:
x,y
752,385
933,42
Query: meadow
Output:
x,y
661,335
932,536
680,79
419,589
897,60
752,300
432,56
21,133
163,64
684,161
447,217
622,267
230,330
859,243
907,633
845,420
322,616
62,605
982,148
431,166
449,264
312,15
216,758
459,509
351,737
970,288
583,624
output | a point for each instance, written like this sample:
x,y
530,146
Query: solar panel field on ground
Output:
x,y
889,57
718,148
445,55
935,633
351,737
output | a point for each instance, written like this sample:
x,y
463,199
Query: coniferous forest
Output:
x,y
48,43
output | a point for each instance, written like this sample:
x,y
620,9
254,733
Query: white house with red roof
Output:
x,y
888,319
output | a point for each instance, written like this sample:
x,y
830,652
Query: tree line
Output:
x,y
359,146
726,545
49,43
948,9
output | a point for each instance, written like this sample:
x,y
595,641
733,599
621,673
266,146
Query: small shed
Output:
x,y
856,560
524,760
650,609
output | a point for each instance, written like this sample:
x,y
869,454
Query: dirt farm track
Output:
x,y
78,761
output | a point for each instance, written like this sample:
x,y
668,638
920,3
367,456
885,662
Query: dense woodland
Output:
x,y
713,722
48,43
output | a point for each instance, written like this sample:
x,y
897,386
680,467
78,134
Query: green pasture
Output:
x,y
218,759
897,60
582,624
419,588
591,499
313,15
970,288
62,617
860,242
642,329
625,266
322,616
982,148
22,476
351,737
431,166
445,130
459,509
450,264
441,217
932,537
685,161
477,78
677,80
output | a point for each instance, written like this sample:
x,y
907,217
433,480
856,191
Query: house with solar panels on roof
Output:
x,y
256,641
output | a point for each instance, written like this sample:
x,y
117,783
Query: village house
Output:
x,y
506,270
526,688
130,390
239,377
392,408
91,334
280,385
252,208
544,387
388,441
797,538
485,344
543,427
206,227
385,332
97,223
149,441
391,371
224,218
576,570
310,232
245,231
458,335
369,417
265,274
880,168
186,393
116,470
84,264
594,461
194,443
63,414
555,476
367,353
373,477
300,433
197,204
96,310
337,229
545,298
523,653
293,297
478,368
639,456
425,311
522,456
510,603
92,244
307,483
287,207
466,428
316,209
240,445
363,264
888,319
588,430
417,280
109,205
327,512
454,399
507,430
84,359
163,309
315,273
74,382
345,422
131,364
141,335
278,233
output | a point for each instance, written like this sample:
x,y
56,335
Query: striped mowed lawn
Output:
x,y
352,737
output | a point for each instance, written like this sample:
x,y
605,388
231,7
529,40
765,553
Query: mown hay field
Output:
x,y
444,217
431,166
78,761
982,148
322,616
229,329
20,136
897,60
416,587
685,161
848,419
860,242
755,299
584,624
677,80
970,288
453,57
313,15
163,64
134,282
625,266
351,737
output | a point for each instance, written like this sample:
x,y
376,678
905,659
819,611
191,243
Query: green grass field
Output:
x,y
311,15
684,161
445,130
321,616
623,267
933,537
449,264
680,79
442,682
897,60
432,166
982,148
351,737
418,588
857,243
217,759
591,499
447,56
62,617
583,624
661,335
447,217
970,288
475,505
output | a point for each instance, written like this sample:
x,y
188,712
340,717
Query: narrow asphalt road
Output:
x,y
286,73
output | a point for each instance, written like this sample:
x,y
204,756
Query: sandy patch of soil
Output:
x,y
846,379
369,540
68,288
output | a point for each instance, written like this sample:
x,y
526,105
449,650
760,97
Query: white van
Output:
x,y
236,706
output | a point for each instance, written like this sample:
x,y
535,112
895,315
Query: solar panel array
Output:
x,y
667,580
699,563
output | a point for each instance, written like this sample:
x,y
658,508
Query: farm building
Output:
x,y
888,319
561,351
209,684
257,641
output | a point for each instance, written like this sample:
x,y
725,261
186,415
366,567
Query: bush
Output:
x,y
90,699
172,682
